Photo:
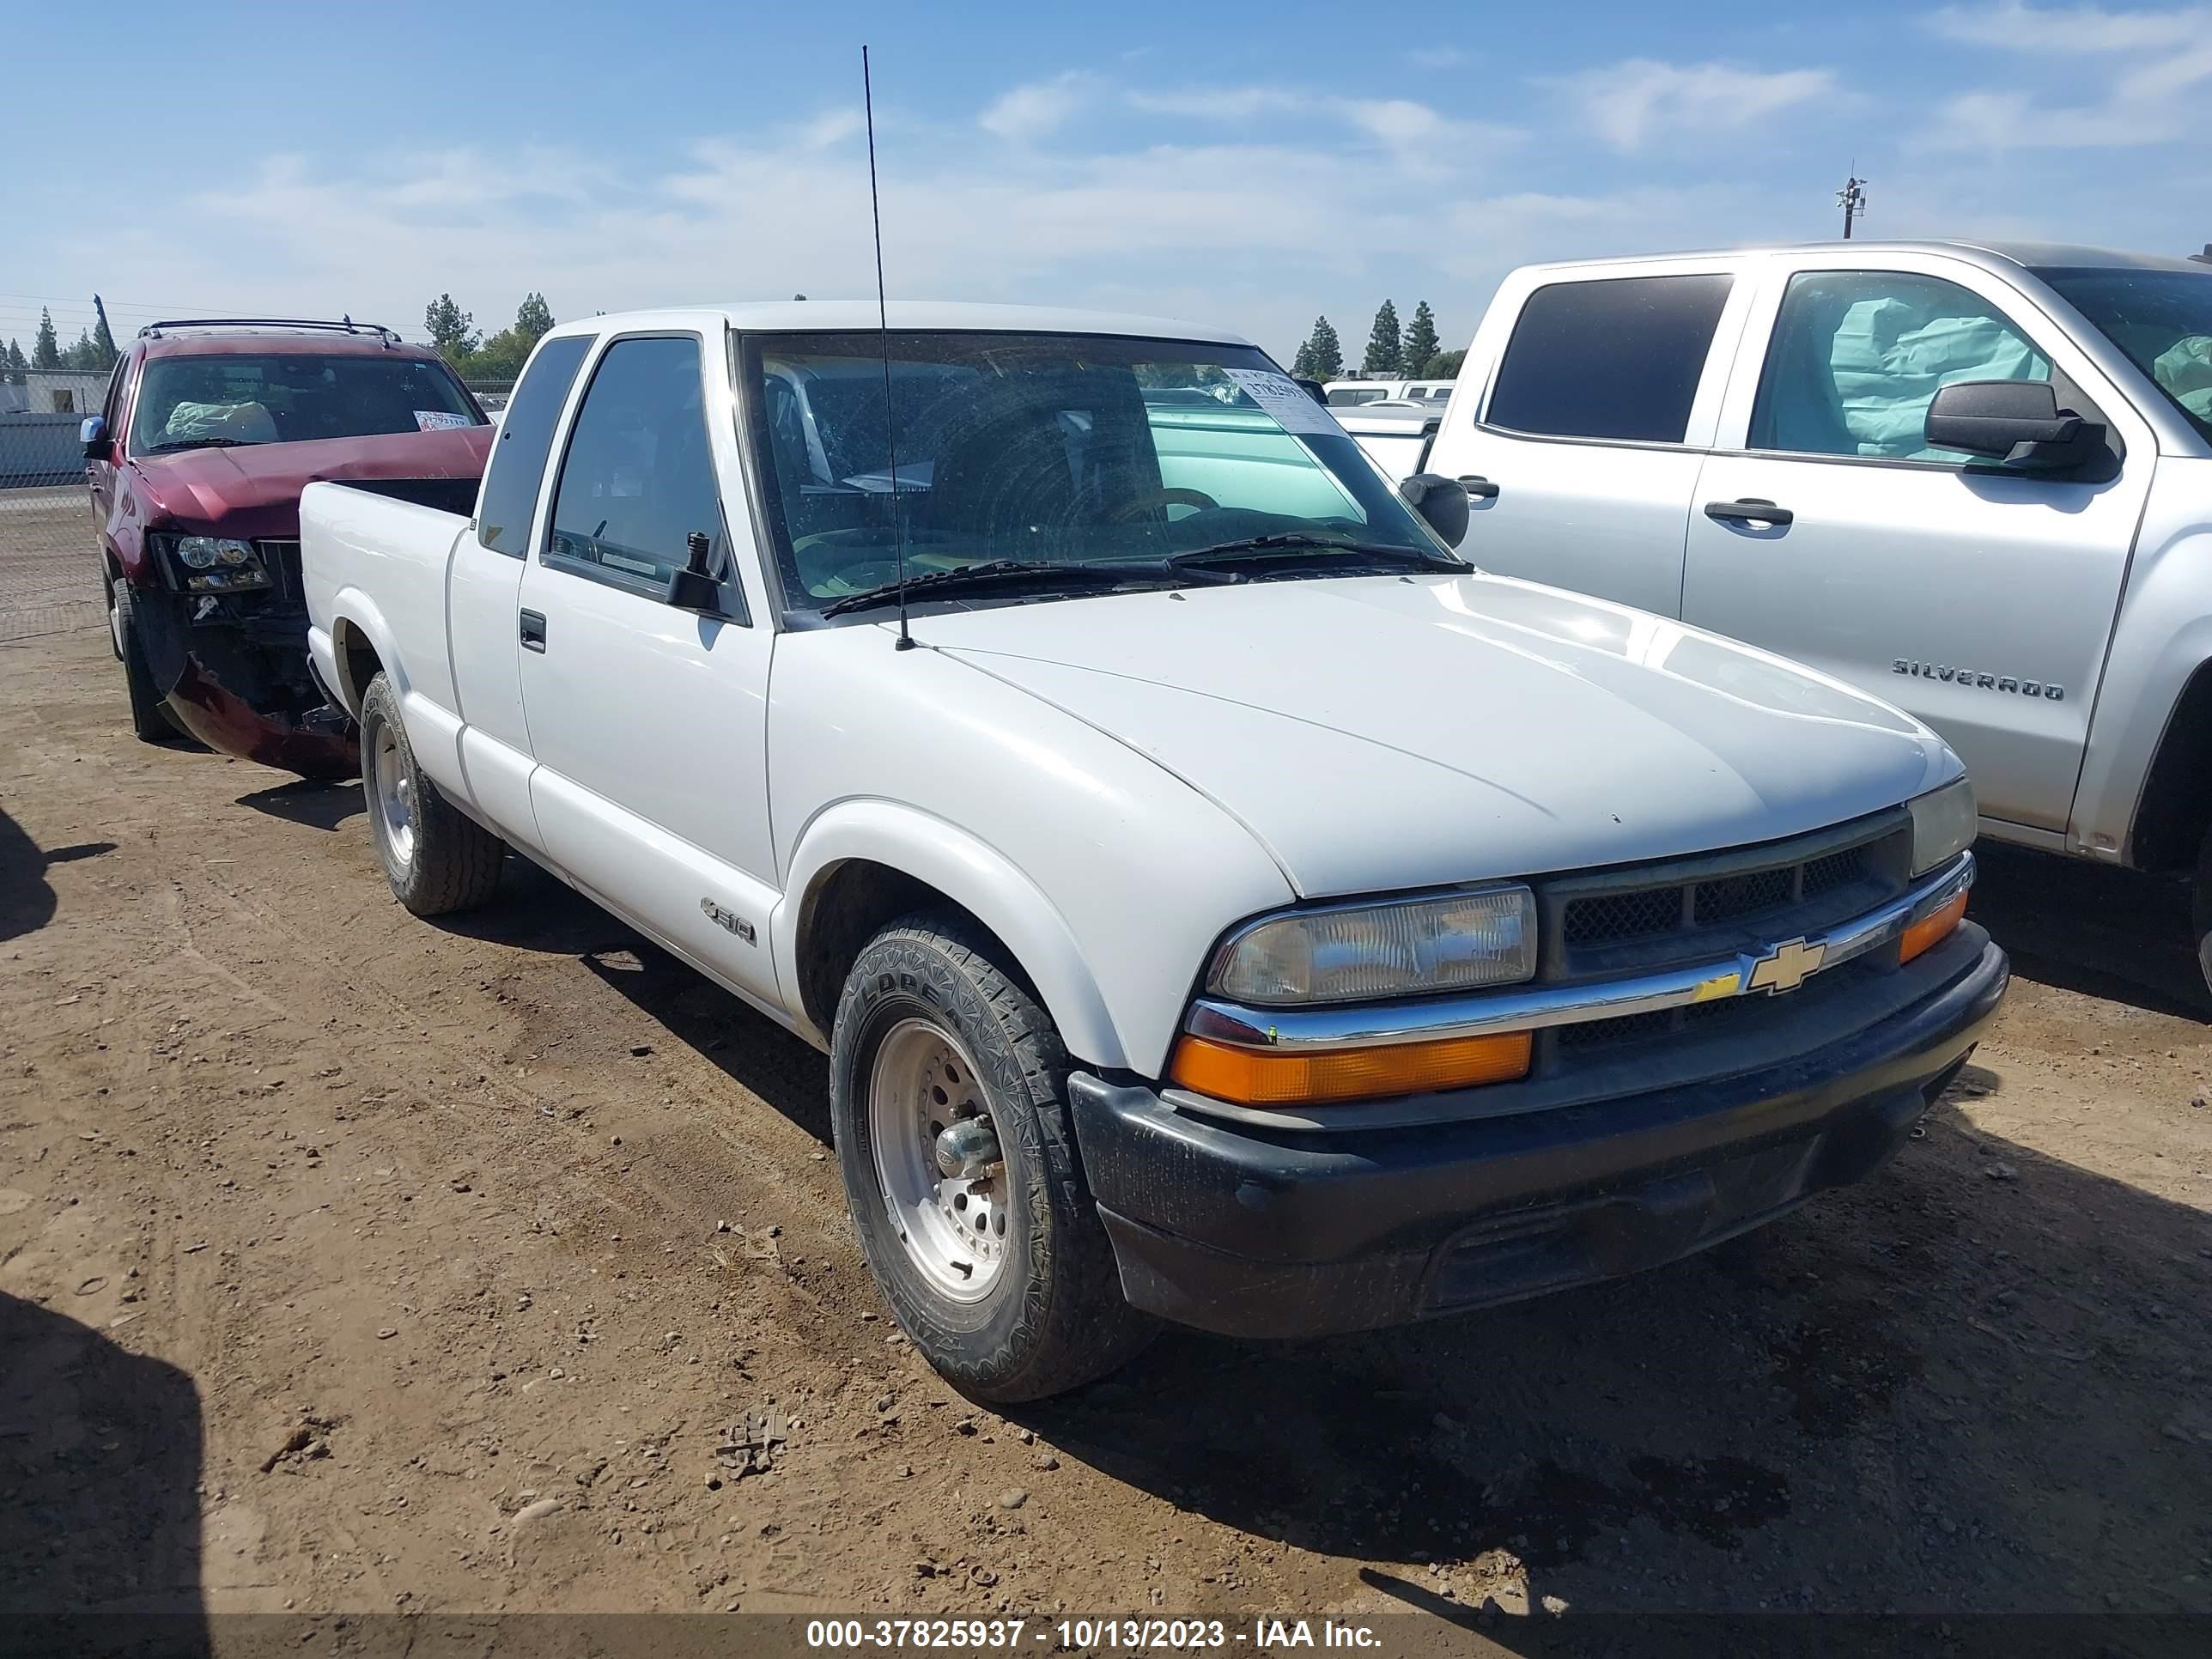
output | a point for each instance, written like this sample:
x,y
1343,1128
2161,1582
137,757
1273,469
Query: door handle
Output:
x,y
533,630
1478,488
1750,510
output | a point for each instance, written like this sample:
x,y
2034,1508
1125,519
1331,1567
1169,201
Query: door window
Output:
x,y
638,478
1620,358
1858,356
525,435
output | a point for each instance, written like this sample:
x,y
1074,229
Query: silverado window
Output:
x,y
207,401
1858,356
638,477
526,433
1059,449
2162,319
1619,358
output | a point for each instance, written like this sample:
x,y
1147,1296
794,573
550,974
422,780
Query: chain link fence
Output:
x,y
41,412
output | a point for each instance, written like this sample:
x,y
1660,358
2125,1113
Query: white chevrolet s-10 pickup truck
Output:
x,y
1218,901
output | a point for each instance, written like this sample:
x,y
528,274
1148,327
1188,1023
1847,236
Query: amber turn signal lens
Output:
x,y
1261,1076
1931,930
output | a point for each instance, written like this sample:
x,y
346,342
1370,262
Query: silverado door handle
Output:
x,y
1751,509
533,630
1478,488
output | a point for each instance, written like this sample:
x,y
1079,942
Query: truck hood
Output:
x,y
254,489
1378,733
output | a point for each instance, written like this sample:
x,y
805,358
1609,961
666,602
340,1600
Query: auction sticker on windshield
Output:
x,y
1289,403
438,420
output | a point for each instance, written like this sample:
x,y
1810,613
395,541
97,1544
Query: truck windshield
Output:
x,y
284,398
2162,319
1058,450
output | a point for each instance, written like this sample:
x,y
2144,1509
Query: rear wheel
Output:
x,y
149,721
948,1097
436,857
2202,906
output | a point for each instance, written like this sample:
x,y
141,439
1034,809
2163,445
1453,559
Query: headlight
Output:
x,y
213,564
1404,948
1942,825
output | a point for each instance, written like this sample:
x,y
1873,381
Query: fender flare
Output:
x,y
352,608
973,875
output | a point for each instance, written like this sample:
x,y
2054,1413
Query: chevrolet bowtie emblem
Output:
x,y
1786,967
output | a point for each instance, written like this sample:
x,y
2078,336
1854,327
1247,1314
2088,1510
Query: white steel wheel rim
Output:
x,y
954,1229
395,797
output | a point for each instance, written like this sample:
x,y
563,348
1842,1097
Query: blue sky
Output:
x,y
1248,165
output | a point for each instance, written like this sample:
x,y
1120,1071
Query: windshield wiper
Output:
x,y
995,572
1306,544
200,443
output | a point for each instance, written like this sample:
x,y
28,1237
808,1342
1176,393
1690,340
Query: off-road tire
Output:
x,y
455,862
1055,1318
149,720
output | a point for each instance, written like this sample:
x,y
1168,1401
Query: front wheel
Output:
x,y
149,719
436,857
947,1095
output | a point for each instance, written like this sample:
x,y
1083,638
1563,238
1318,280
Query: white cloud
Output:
x,y
1627,103
2059,31
1419,135
2158,102
1030,111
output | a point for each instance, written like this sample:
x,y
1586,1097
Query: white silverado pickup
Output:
x,y
1231,907
1974,481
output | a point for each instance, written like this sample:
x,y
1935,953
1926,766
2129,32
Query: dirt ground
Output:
x,y
352,1263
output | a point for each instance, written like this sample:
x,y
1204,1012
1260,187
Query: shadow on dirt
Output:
x,y
26,900
1969,1385
537,912
317,803
2092,928
100,1458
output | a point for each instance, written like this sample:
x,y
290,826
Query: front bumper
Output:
x,y
1249,1233
243,688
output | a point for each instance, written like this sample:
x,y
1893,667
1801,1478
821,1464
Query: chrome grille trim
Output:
x,y
1538,1007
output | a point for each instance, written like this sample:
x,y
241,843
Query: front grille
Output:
x,y
281,559
1624,915
1684,911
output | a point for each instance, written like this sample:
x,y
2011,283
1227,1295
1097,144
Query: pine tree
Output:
x,y
83,354
450,328
533,318
1322,355
1420,342
1444,366
45,348
14,360
1382,358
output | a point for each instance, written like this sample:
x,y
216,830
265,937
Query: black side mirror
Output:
x,y
1314,390
2016,422
691,588
1442,503
92,433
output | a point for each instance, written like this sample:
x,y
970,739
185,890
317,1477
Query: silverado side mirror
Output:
x,y
92,433
1442,503
2016,422
691,588
1314,390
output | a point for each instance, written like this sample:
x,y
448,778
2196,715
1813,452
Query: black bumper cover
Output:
x,y
1249,1235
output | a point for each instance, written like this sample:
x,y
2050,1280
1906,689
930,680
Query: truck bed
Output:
x,y
392,541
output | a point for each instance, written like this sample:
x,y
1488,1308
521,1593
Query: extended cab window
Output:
x,y
525,435
1858,356
1619,358
638,478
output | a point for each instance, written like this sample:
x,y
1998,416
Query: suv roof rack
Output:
x,y
343,326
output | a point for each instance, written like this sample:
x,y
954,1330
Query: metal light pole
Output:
x,y
1852,199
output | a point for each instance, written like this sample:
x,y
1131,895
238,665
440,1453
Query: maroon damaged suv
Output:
x,y
210,431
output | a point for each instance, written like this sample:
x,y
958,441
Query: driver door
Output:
x,y
648,723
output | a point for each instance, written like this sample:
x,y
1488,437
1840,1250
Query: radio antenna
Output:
x,y
884,335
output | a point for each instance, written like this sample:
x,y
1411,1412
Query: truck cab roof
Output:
x,y
791,316
2023,254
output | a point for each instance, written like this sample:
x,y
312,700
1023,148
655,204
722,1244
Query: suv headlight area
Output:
x,y
211,564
